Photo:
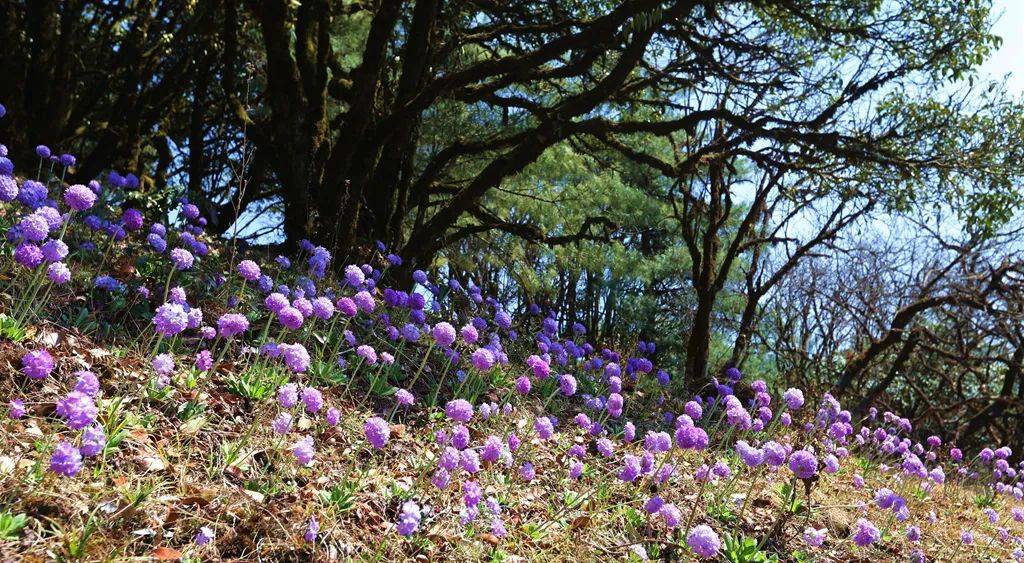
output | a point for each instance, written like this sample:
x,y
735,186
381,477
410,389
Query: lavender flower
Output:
x,y
704,541
37,364
66,460
377,432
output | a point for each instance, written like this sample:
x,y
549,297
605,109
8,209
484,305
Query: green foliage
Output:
x,y
257,382
11,525
741,549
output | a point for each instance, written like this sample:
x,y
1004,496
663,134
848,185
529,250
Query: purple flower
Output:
x,y
295,357
527,472
34,227
8,189
93,440
803,464
58,273
163,364
814,537
367,353
313,399
170,319
28,255
133,219
204,536
275,302
444,334
303,451
523,385
483,359
182,258
542,425
704,541
469,334
17,409
364,300
866,533
409,519
751,456
614,405
54,250
630,468
288,395
66,460
459,410
312,529
354,275
290,317
282,423
323,309
232,324
37,364
78,409
377,432
567,384
204,360
333,416
79,197
672,516
249,270
404,397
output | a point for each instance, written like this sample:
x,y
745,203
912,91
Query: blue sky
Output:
x,y
1009,59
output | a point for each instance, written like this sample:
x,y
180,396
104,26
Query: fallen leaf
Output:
x,y
165,554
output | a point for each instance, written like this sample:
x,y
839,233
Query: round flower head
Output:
x,y
8,189
323,308
409,519
567,384
37,364
333,416
354,275
133,219
866,533
483,359
295,357
303,451
542,425
815,537
66,460
803,464
28,255
182,258
232,324
275,302
34,227
288,395
79,197
78,409
313,399
170,319
249,270
459,410
290,317
54,250
367,353
204,360
93,440
282,424
163,364
444,334
58,273
704,541
377,432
